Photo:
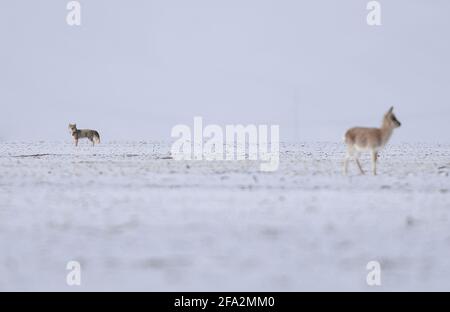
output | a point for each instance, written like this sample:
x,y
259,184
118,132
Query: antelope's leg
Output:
x,y
346,164
374,162
346,160
359,165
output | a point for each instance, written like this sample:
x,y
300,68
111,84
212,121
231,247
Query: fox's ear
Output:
x,y
390,110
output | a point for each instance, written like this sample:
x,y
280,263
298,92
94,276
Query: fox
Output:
x,y
92,135
360,139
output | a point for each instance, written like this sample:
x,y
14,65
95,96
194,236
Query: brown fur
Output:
x,y
369,139
77,134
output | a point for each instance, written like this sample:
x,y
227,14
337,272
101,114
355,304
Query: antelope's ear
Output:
x,y
390,110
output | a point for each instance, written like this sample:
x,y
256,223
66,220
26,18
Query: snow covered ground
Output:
x,y
136,220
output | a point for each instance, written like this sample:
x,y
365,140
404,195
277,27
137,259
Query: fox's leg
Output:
x,y
374,162
92,140
76,142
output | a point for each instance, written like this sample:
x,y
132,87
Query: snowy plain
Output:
x,y
137,220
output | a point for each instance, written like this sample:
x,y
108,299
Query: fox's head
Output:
x,y
72,127
391,120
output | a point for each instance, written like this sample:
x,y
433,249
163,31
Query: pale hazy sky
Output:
x,y
136,68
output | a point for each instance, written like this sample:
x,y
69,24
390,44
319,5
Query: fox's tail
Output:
x,y
97,137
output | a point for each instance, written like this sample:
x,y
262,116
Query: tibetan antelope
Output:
x,y
369,139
